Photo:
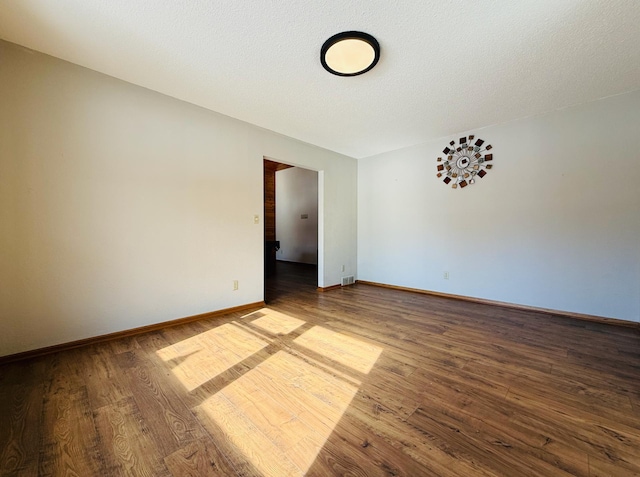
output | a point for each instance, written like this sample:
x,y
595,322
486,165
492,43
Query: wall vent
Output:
x,y
350,280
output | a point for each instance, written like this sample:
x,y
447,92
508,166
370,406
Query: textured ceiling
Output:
x,y
446,66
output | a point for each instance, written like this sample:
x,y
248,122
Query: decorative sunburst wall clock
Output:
x,y
462,164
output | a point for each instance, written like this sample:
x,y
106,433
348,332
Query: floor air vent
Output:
x,y
350,280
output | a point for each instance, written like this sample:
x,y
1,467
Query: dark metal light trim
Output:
x,y
350,35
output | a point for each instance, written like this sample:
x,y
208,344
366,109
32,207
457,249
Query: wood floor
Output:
x,y
359,381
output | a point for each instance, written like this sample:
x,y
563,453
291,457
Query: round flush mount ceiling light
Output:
x,y
350,53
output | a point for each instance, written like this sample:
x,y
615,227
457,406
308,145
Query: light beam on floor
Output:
x,y
204,356
279,414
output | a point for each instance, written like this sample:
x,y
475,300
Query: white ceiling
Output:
x,y
445,67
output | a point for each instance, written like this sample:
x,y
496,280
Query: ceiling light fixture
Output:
x,y
350,53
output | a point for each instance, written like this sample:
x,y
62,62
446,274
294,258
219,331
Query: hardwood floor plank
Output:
x,y
200,458
414,443
237,433
385,458
626,369
498,444
171,424
577,431
396,364
127,448
122,345
279,424
635,403
486,409
336,459
360,380
70,445
590,394
603,468
22,404
151,343
597,379
105,382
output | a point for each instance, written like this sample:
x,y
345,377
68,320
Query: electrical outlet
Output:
x,y
446,275
235,285
343,268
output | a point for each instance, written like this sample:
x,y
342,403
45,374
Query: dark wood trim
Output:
x,y
275,166
326,289
125,333
514,306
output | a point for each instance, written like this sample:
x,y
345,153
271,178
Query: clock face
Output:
x,y
465,162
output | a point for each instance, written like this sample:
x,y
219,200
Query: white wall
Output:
x,y
121,207
297,195
555,224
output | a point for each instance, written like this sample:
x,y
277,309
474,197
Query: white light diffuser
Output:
x,y
350,53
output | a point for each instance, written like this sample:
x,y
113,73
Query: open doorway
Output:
x,y
291,219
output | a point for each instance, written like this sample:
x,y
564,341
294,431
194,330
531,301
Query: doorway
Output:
x,y
291,225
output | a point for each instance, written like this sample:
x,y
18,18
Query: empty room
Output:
x,y
296,238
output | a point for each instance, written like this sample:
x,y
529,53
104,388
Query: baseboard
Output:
x,y
514,306
125,333
326,289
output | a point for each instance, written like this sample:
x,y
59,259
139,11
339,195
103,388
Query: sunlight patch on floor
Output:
x,y
344,349
278,414
198,359
277,323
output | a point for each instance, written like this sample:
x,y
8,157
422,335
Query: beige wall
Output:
x,y
121,207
